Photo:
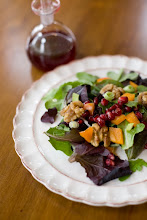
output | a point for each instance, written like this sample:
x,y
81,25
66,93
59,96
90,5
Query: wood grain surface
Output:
x,y
101,27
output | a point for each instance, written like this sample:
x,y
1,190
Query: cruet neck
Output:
x,y
46,10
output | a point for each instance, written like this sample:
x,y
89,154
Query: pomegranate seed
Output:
x,y
86,114
110,162
104,102
116,105
96,117
128,109
145,147
139,115
104,117
111,156
80,121
113,107
118,112
91,119
136,108
96,100
145,123
123,99
100,122
107,110
110,115
113,112
86,102
120,105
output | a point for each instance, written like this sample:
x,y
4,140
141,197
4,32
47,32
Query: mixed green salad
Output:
x,y
100,115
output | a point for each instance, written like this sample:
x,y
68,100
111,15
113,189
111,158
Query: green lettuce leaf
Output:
x,y
61,137
129,135
121,76
131,76
55,97
115,76
142,109
64,146
139,142
86,78
142,88
135,165
60,134
132,104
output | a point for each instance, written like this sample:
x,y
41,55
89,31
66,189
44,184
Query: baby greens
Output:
x,y
135,165
55,97
86,78
121,76
129,135
142,88
64,146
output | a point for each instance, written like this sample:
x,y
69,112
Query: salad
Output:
x,y
100,115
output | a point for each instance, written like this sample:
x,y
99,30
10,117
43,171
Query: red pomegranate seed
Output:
x,y
86,102
123,99
120,105
91,119
86,114
111,156
139,115
113,112
80,121
110,115
110,162
128,109
96,117
145,147
96,100
116,105
100,122
107,110
104,102
145,123
113,107
104,117
118,112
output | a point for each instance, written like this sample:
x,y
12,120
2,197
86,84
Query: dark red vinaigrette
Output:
x,y
51,49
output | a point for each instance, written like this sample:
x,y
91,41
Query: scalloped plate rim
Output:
x,y
76,199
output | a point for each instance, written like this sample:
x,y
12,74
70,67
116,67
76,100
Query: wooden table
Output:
x,y
101,27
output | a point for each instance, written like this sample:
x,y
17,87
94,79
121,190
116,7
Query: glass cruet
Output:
x,y
51,43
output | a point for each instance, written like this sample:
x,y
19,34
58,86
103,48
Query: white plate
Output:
x,y
51,167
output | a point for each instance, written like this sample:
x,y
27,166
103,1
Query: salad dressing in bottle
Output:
x,y
51,43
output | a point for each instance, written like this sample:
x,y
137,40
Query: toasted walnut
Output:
x,y
142,98
100,134
118,91
72,111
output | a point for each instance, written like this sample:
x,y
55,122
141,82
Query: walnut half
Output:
x,y
72,111
142,98
100,134
118,91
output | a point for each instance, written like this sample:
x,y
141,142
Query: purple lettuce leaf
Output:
x,y
81,90
87,148
60,135
94,161
49,116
